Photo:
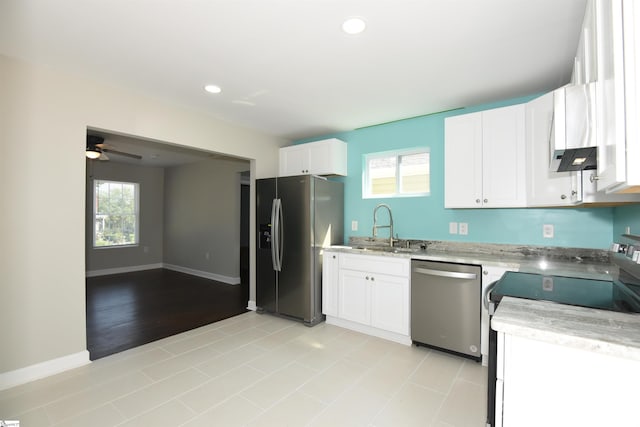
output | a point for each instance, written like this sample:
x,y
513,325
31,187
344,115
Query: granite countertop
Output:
x,y
601,331
573,262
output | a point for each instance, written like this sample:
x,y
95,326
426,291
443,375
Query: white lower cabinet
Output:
x,y
354,296
371,294
330,264
390,303
545,384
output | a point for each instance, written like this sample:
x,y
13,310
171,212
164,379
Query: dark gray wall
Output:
x,y
202,216
151,180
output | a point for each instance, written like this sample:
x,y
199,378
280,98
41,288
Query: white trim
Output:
x,y
186,270
117,270
43,369
205,274
369,330
251,305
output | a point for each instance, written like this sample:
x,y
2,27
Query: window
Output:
x,y
115,210
396,174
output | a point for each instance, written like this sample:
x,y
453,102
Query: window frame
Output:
x,y
398,154
137,213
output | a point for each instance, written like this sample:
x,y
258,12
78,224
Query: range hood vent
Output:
x,y
572,142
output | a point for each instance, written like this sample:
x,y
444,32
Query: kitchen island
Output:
x,y
565,365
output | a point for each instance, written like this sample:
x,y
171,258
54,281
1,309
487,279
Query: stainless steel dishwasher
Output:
x,y
445,306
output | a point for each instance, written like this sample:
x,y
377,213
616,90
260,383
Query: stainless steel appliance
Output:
x,y
296,216
621,294
445,306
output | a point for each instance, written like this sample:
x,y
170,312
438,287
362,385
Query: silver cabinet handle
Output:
x,y
563,197
486,200
450,274
486,295
477,200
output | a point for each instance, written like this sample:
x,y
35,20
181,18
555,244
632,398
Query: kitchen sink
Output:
x,y
389,249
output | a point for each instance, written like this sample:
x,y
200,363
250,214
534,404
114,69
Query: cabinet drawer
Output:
x,y
375,264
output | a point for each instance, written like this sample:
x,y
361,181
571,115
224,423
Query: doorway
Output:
x,y
188,204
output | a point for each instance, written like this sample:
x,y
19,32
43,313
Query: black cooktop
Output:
x,y
621,295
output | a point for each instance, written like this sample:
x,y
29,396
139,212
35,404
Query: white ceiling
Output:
x,y
285,66
155,153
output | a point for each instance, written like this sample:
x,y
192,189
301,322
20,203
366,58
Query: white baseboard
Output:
x,y
43,369
205,274
118,270
369,330
251,305
193,272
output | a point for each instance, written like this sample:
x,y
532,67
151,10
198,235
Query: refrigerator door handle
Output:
x,y
280,234
274,234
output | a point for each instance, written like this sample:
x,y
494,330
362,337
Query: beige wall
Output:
x,y
151,181
44,117
202,215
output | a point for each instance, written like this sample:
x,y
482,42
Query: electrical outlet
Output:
x,y
453,228
547,231
146,249
463,228
354,225
627,230
207,255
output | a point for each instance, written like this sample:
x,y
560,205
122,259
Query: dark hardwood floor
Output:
x,y
131,309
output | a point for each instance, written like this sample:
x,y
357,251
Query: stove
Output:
x,y
621,294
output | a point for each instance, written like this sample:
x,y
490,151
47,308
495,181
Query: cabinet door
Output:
x,y
390,303
503,157
545,188
354,299
463,161
294,160
610,94
330,264
585,64
568,380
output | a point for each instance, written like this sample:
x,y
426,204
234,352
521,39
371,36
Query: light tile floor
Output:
x,y
259,370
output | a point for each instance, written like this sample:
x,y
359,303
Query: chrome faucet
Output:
x,y
376,226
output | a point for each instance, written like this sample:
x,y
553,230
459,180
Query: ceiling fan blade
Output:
x,y
103,156
121,153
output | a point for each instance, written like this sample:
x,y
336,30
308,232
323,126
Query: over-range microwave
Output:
x,y
572,140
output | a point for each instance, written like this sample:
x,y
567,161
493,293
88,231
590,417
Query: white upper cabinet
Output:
x,y
463,161
585,67
617,94
326,157
485,159
546,188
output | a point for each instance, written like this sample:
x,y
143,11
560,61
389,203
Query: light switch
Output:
x,y
453,228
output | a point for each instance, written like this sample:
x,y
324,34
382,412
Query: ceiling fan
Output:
x,y
97,149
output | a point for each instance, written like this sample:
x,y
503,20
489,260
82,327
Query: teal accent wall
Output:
x,y
426,218
626,216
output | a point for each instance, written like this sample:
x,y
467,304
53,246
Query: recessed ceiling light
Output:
x,y
354,25
212,89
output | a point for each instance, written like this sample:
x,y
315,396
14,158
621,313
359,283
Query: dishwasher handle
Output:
x,y
449,274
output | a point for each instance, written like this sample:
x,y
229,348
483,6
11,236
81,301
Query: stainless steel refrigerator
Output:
x,y
296,217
